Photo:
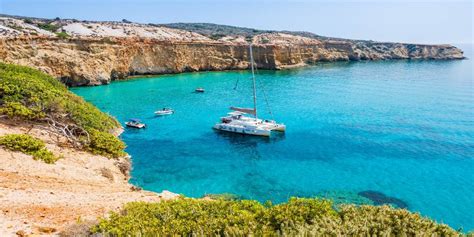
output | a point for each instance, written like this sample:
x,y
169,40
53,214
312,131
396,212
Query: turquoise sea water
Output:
x,y
401,128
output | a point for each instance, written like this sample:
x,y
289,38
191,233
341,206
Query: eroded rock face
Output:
x,y
87,61
95,53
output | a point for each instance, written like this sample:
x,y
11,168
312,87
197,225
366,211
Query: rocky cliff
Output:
x,y
93,53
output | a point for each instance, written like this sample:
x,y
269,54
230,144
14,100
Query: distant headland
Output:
x,y
83,53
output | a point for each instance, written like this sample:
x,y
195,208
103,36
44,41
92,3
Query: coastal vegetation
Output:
x,y
299,216
29,95
48,26
216,30
63,35
211,30
223,196
28,145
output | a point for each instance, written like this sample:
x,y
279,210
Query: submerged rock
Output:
x,y
344,197
223,196
380,199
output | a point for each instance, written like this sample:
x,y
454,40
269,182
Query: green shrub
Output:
x,y
303,217
103,143
21,142
63,35
28,145
217,36
17,110
298,212
223,196
389,221
16,27
45,155
30,95
28,21
248,38
184,217
48,27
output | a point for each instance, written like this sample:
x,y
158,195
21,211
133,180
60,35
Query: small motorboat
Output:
x,y
135,123
199,90
164,111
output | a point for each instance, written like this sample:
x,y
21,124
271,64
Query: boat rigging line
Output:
x,y
260,84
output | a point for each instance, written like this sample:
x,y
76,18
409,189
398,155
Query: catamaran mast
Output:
x,y
254,86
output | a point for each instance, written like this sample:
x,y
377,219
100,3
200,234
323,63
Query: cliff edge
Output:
x,y
93,53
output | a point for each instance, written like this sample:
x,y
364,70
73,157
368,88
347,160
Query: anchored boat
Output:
x,y
238,122
135,123
164,111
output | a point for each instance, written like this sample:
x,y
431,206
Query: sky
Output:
x,y
423,21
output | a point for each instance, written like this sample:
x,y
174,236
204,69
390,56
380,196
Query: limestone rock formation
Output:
x,y
94,53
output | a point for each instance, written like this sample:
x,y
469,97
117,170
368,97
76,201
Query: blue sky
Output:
x,y
424,21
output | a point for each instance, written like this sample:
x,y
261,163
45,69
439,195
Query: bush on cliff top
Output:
x,y
299,216
63,35
29,95
28,145
48,26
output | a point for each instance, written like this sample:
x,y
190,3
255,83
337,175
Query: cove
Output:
x,y
398,129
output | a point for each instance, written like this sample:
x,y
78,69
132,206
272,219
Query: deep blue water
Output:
x,y
402,128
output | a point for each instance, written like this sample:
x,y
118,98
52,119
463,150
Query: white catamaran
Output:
x,y
238,122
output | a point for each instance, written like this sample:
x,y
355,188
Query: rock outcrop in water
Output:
x,y
93,53
381,199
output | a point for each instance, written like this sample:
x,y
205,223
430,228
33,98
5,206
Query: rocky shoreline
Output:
x,y
95,53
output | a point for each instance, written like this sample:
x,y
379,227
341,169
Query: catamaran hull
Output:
x,y
277,127
253,132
